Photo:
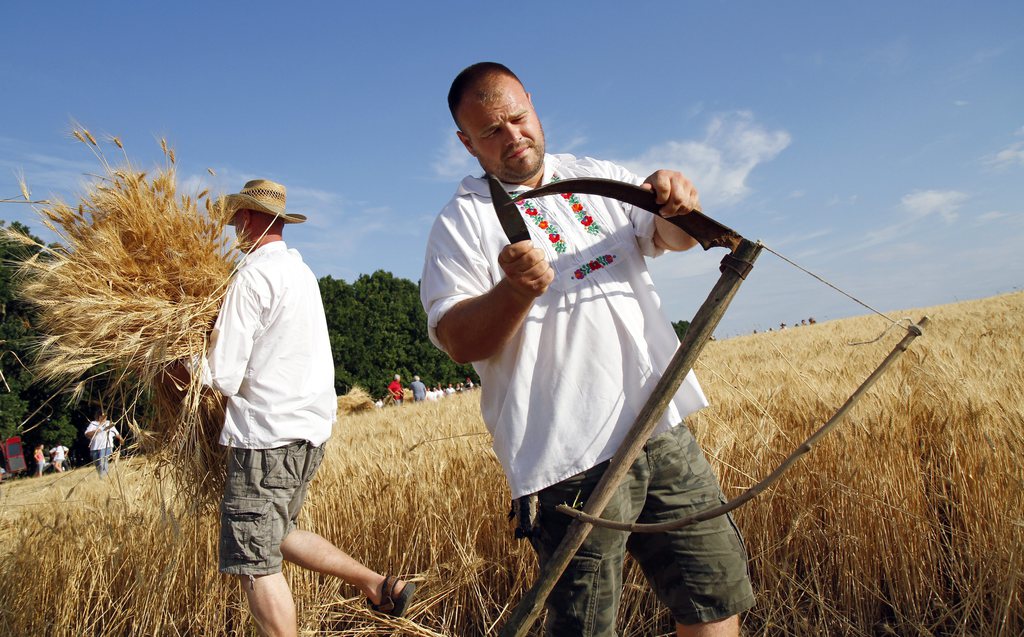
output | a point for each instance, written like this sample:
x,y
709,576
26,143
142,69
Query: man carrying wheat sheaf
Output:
x,y
270,356
567,335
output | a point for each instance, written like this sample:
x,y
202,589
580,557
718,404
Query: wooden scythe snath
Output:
x,y
735,267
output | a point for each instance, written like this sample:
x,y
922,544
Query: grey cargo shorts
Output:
x,y
699,572
264,491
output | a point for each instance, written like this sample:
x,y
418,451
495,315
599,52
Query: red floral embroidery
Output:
x,y
551,228
596,264
544,224
579,211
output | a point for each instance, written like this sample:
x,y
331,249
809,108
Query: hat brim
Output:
x,y
236,202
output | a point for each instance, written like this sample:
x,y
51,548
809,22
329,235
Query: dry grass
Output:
x,y
134,286
907,520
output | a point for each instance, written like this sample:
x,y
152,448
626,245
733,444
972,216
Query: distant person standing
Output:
x,y
101,434
40,459
395,388
57,455
419,390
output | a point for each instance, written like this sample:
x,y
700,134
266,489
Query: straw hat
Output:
x,y
261,195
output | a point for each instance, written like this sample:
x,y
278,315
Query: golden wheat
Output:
x,y
906,520
133,287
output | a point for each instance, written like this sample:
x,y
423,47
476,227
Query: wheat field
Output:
x,y
906,520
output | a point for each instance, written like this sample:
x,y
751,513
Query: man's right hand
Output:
x,y
477,328
526,270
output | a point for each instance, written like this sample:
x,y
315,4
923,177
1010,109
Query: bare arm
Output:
x,y
678,196
478,328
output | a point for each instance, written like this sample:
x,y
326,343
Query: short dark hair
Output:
x,y
471,77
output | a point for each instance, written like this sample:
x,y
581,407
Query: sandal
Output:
x,y
389,603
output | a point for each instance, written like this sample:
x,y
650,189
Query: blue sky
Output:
x,y
878,144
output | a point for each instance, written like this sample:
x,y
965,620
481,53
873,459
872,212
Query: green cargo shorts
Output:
x,y
264,491
699,572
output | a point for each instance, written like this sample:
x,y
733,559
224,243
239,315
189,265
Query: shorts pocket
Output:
x,y
283,467
246,530
574,606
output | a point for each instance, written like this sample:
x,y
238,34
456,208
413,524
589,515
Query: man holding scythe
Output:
x,y
567,334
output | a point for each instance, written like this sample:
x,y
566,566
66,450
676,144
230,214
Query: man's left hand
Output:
x,y
676,194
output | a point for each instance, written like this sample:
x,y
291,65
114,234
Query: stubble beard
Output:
x,y
507,172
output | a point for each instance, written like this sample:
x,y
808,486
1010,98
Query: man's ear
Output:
x,y
464,138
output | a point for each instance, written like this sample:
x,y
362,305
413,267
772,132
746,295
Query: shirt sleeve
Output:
x,y
454,270
234,335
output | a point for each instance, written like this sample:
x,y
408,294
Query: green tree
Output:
x,y
680,327
27,408
378,328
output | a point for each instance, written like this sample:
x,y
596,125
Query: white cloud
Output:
x,y
194,184
453,162
994,215
801,239
733,145
576,142
836,200
919,205
980,59
1012,155
50,175
924,203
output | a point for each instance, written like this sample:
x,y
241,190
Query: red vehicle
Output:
x,y
13,455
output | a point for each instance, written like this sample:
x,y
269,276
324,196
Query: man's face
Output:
x,y
503,133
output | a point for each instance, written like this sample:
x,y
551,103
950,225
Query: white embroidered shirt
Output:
x,y
563,392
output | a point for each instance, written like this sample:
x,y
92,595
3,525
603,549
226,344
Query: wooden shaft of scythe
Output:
x,y
697,335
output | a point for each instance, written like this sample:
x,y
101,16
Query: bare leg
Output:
x,y
314,553
728,627
270,601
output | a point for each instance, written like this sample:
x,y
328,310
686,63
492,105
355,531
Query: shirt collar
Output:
x,y
265,250
478,185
